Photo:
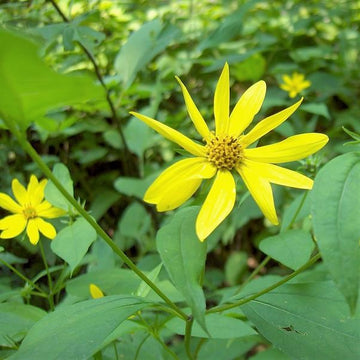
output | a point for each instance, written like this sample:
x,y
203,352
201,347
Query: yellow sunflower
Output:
x,y
226,151
28,211
294,84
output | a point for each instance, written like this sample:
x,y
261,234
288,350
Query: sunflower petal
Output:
x,y
218,204
246,108
46,210
7,203
32,231
38,195
180,172
222,102
13,225
260,190
194,113
33,184
269,123
45,228
173,135
293,148
19,192
278,175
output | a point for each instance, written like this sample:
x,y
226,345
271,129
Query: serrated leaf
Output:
x,y
30,88
336,214
77,331
292,248
184,258
73,242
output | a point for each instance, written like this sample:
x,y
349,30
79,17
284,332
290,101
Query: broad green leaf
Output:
x,y
218,326
235,267
141,47
52,194
15,321
336,214
270,354
251,68
135,221
30,88
77,331
317,109
110,281
307,320
73,242
184,258
132,186
292,248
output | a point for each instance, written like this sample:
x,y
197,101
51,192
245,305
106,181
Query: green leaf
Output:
x,y
144,289
15,321
135,221
218,326
230,27
235,267
110,281
184,258
73,242
317,109
77,331
132,186
251,68
52,194
30,88
336,214
292,248
306,319
142,46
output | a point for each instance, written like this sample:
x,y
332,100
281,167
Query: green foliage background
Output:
x,y
126,54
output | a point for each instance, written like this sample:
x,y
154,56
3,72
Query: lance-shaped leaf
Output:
x,y
336,214
184,258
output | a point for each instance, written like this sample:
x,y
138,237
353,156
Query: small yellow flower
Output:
x,y
294,84
227,149
28,211
95,291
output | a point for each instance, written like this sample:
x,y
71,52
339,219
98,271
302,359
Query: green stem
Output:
x,y
23,277
188,328
50,283
47,172
266,290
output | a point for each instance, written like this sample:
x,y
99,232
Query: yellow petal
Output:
x,y
287,79
95,291
32,231
46,210
179,173
260,190
293,148
285,87
222,102
278,175
19,192
38,194
173,135
269,123
7,203
45,228
246,108
194,113
33,184
217,206
13,225
177,194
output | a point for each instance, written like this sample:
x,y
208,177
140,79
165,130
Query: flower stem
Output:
x,y
47,172
50,283
266,290
188,328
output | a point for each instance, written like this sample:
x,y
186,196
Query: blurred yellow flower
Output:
x,y
95,291
28,211
227,149
294,84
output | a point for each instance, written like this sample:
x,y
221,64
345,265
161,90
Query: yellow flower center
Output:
x,y
224,151
29,212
